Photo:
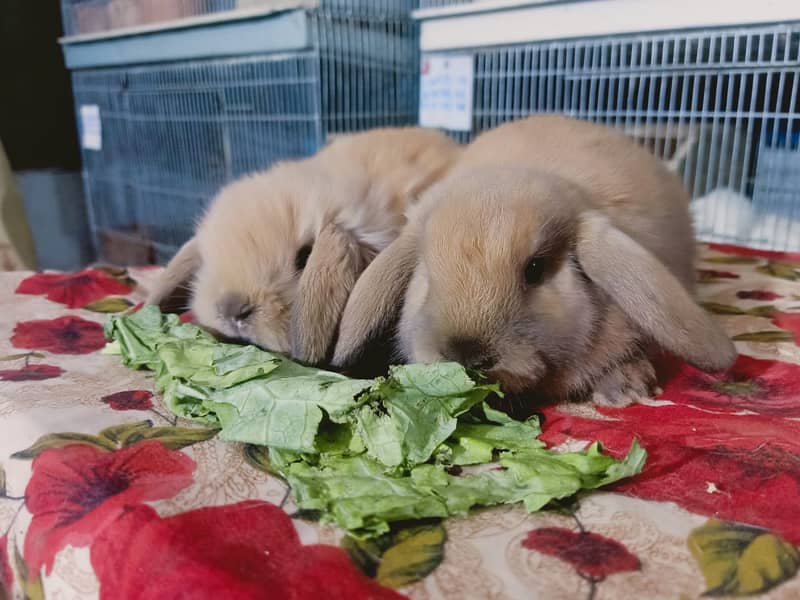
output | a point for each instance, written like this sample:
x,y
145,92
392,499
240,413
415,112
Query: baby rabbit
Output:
x,y
275,257
556,273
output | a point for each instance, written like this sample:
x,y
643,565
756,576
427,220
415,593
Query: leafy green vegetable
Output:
x,y
362,453
406,417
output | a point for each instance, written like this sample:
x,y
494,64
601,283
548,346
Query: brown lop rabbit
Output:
x,y
275,257
556,257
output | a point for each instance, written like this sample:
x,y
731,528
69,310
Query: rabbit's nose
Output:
x,y
470,352
235,308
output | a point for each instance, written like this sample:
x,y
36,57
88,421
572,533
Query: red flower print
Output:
x,y
76,491
247,551
758,295
187,317
65,335
729,467
769,254
31,373
74,289
6,576
789,322
594,556
704,275
767,387
131,400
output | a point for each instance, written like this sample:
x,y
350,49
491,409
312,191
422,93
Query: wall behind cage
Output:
x,y
720,106
83,17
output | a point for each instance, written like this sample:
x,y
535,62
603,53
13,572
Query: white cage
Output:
x,y
712,89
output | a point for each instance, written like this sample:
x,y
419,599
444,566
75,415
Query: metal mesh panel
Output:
x,y
369,64
720,106
173,134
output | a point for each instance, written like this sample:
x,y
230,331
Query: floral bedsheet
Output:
x,y
104,493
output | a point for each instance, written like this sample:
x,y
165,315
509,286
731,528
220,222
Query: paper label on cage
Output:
x,y
91,127
445,94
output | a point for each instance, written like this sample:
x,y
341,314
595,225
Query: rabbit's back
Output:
x,y
397,162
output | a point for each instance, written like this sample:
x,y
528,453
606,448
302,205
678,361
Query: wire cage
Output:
x,y
173,133
719,105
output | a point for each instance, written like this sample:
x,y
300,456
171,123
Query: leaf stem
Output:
x,y
581,528
592,581
285,497
592,589
171,421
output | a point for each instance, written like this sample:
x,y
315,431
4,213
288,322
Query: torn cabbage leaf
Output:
x,y
363,453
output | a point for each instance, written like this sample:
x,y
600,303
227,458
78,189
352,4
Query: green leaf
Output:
x,y
365,553
722,309
361,496
116,433
258,458
285,410
13,357
112,270
767,311
732,260
364,454
407,416
32,588
475,443
109,305
2,482
738,560
173,438
128,281
59,440
782,270
414,555
765,336
121,274
400,557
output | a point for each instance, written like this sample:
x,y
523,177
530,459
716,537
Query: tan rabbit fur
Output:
x,y
608,231
275,257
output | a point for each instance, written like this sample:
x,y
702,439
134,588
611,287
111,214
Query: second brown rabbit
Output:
x,y
276,255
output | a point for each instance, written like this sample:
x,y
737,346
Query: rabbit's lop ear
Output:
x,y
650,295
331,270
171,291
377,298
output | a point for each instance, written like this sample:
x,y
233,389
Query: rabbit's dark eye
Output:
x,y
301,258
534,270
